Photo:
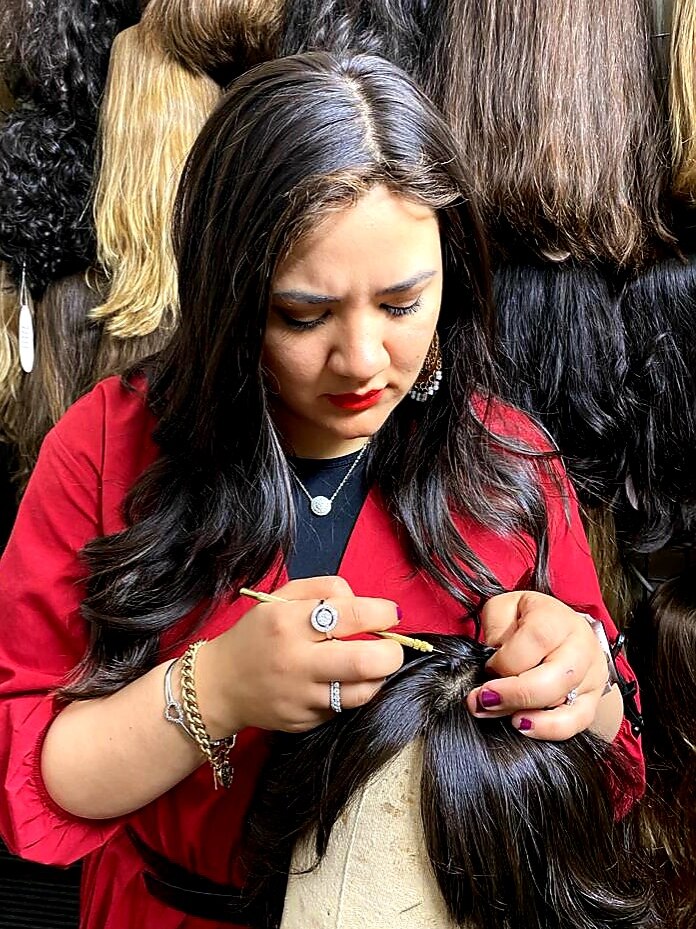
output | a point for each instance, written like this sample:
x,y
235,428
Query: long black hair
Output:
x,y
293,138
518,833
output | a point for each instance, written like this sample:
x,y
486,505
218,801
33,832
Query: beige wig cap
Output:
x,y
376,873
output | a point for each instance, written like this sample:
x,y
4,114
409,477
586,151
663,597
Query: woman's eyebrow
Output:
x,y
303,296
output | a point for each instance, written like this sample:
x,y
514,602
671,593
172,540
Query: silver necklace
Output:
x,y
321,505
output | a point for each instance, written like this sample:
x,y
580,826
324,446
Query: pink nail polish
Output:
x,y
399,614
525,724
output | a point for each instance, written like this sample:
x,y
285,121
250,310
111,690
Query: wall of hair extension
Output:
x,y
57,51
220,38
659,311
682,98
562,354
485,794
152,112
6,99
394,29
662,649
555,109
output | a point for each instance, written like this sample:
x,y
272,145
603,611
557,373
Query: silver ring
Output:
x,y
335,696
571,697
324,618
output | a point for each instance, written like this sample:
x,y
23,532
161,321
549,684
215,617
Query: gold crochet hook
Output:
x,y
418,644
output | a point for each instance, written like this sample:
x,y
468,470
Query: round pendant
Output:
x,y
320,506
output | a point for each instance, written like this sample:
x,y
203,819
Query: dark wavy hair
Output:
x,y
57,51
215,510
394,29
563,357
518,832
657,307
661,643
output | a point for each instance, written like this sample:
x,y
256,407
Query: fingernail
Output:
x,y
399,614
525,724
489,698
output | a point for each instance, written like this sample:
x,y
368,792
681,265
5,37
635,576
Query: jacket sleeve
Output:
x,y
573,580
42,636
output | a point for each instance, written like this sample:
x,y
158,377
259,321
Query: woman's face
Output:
x,y
353,311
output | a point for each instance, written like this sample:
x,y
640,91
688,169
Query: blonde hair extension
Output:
x,y
556,111
682,97
152,112
220,38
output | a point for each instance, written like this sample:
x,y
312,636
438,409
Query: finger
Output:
x,y
355,615
563,722
355,662
352,695
539,633
309,588
499,617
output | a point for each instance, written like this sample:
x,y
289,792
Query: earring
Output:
x,y
430,375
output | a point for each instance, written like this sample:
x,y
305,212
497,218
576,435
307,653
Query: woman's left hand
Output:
x,y
545,651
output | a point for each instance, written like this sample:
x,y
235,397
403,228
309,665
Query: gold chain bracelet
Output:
x,y
216,751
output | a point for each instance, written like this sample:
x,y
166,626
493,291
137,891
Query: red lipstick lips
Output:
x,y
356,402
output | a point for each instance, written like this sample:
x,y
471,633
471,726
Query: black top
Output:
x,y
320,541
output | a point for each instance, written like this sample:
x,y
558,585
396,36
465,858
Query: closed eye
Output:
x,y
402,310
302,324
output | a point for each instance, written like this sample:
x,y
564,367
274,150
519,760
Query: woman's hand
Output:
x,y
273,670
545,651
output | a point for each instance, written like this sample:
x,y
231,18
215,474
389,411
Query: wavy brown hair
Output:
x,y
554,107
220,38
152,112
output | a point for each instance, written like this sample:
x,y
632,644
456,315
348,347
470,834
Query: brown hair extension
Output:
x,y
682,98
557,115
618,588
220,38
10,372
6,101
662,648
152,112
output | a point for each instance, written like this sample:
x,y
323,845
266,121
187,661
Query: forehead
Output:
x,y
382,238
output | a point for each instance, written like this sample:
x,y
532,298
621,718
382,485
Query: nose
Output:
x,y
359,352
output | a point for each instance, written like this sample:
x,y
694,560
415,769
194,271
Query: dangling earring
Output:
x,y
430,375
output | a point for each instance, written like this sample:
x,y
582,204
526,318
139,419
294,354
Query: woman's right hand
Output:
x,y
272,670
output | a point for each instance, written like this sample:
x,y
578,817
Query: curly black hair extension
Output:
x,y
57,51
46,167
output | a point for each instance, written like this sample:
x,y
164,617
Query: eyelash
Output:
x,y
306,325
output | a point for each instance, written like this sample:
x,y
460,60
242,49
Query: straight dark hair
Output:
x,y
519,833
293,139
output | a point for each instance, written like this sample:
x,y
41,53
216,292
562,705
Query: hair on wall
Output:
x,y
659,312
394,29
56,51
152,112
45,189
662,649
505,868
682,98
220,38
562,353
556,113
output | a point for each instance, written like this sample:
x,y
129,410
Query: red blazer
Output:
x,y
87,464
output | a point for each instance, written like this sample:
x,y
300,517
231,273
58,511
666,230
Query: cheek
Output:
x,y
290,365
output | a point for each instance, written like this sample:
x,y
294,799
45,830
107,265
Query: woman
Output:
x,y
325,246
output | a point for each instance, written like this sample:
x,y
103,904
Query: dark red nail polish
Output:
x,y
489,699
399,614
525,724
